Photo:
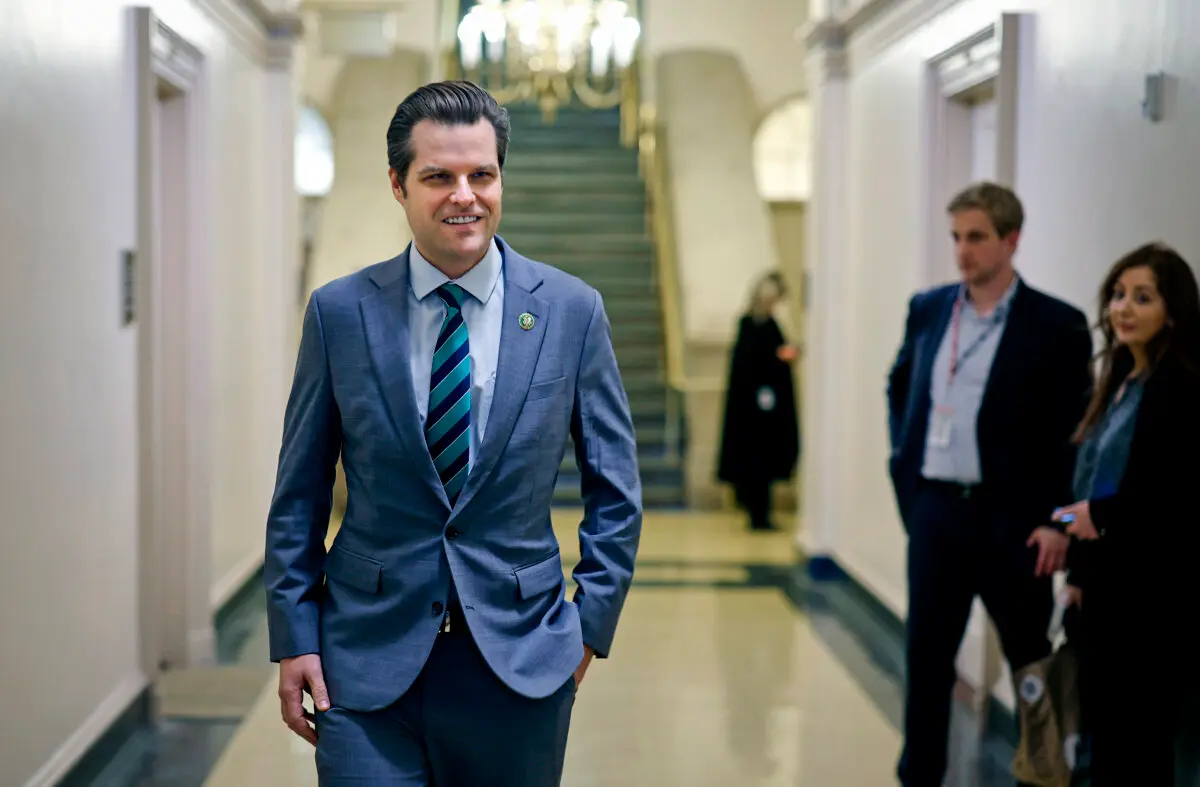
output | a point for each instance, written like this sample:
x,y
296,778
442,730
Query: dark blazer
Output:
x,y
1035,398
1149,528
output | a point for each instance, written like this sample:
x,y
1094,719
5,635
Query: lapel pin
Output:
x,y
525,321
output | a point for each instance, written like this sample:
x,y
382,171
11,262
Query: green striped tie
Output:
x,y
448,425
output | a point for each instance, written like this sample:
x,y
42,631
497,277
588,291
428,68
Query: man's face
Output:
x,y
452,192
981,253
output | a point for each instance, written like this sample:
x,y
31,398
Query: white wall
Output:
x,y
1096,179
761,34
68,567
337,30
361,223
722,228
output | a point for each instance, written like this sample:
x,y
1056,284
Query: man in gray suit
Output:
x,y
435,637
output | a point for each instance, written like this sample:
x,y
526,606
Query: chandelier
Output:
x,y
547,50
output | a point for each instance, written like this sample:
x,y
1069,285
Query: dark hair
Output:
x,y
1179,337
1000,203
453,103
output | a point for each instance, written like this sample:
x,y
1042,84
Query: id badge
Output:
x,y
940,428
766,399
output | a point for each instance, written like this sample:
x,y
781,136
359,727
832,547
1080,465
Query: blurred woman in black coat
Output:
x,y
1132,564
760,440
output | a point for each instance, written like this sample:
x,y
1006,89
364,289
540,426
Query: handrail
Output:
x,y
652,162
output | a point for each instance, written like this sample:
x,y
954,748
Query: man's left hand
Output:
x,y
1052,550
588,653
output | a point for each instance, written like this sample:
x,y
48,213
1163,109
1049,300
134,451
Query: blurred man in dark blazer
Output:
x,y
988,386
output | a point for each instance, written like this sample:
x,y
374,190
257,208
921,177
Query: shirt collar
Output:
x,y
1006,299
480,281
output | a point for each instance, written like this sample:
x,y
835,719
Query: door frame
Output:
x,y
987,63
174,287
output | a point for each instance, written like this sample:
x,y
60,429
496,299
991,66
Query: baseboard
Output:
x,y
127,709
891,627
234,580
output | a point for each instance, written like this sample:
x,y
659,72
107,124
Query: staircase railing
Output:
x,y
653,165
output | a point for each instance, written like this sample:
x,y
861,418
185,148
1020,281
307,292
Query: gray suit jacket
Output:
x,y
370,606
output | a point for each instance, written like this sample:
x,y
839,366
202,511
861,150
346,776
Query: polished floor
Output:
x,y
733,667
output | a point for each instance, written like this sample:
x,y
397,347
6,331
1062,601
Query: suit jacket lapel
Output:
x,y
932,341
385,322
1012,341
519,350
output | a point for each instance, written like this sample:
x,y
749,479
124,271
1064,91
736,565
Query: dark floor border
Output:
x,y
119,736
126,739
884,631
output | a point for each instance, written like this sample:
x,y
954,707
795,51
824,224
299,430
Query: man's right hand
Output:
x,y
296,676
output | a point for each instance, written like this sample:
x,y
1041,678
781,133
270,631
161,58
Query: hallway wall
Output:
x,y
361,223
723,233
1096,178
68,477
759,34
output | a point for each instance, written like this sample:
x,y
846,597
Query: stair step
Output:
x,y
614,288
585,257
565,222
532,162
527,203
598,182
612,243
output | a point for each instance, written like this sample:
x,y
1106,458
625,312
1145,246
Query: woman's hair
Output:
x,y
1180,334
769,289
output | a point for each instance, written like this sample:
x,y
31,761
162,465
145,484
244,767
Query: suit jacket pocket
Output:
x,y
356,571
537,578
546,389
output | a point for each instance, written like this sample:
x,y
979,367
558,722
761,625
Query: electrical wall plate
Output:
x,y
1152,102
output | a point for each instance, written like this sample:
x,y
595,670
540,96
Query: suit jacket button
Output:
x,y
451,533
437,608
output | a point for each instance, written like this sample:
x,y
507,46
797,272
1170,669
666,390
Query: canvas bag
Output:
x,y
1047,693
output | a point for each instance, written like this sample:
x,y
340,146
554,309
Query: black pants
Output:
x,y
1141,705
959,547
754,496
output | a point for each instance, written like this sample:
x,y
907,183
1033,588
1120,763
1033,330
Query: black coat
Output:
x,y
760,440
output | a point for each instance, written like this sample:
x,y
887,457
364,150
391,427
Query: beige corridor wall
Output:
x,y
68,407
723,235
759,34
361,223
787,224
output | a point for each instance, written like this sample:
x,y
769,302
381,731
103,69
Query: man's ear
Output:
x,y
398,190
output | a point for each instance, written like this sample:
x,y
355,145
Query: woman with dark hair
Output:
x,y
1136,532
760,434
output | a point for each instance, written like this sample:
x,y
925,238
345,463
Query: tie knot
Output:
x,y
452,294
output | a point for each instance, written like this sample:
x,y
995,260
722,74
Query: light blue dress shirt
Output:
x,y
978,340
483,312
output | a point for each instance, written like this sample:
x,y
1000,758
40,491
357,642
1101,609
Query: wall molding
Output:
x,y
871,26
266,36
